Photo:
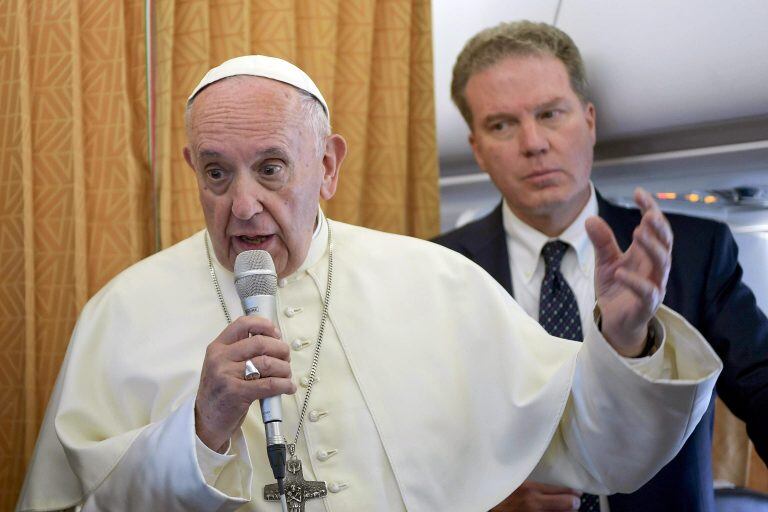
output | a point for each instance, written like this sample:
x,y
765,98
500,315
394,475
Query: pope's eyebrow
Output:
x,y
265,154
208,153
274,152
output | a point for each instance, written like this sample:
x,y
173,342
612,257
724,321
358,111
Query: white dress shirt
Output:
x,y
526,265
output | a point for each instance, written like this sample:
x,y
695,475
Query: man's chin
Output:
x,y
544,203
555,202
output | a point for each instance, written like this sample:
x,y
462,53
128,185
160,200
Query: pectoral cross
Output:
x,y
297,490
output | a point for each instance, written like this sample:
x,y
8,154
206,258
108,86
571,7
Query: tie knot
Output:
x,y
553,253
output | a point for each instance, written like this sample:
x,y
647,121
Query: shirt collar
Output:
x,y
530,241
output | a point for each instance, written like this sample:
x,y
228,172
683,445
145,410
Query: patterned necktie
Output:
x,y
558,309
559,315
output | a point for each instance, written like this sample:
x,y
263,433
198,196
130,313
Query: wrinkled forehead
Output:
x,y
247,118
244,96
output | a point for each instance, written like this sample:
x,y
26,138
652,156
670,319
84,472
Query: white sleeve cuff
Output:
x,y
682,355
229,473
654,366
212,463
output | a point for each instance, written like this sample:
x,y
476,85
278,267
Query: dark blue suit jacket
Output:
x,y
705,287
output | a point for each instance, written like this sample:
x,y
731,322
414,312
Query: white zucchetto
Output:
x,y
266,67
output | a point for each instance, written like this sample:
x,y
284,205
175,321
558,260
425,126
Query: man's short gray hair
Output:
x,y
311,109
314,112
516,39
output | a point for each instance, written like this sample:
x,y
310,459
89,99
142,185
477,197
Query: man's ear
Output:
x,y
590,115
335,151
188,157
478,157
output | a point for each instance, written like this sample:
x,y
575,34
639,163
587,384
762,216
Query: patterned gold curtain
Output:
x,y
92,177
72,188
734,459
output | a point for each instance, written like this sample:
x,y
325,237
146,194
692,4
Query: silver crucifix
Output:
x,y
297,490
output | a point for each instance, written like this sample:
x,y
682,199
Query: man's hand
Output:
x,y
224,396
630,286
535,497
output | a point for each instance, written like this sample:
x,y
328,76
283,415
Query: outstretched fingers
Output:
x,y
654,238
606,249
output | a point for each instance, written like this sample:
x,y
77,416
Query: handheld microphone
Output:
x,y
256,283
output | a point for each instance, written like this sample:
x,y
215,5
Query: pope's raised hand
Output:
x,y
224,395
630,285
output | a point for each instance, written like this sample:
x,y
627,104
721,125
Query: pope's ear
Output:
x,y
335,151
188,157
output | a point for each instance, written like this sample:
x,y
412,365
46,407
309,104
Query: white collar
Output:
x,y
317,246
530,241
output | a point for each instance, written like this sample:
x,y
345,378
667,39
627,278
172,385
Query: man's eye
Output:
x,y
499,126
214,173
271,169
550,114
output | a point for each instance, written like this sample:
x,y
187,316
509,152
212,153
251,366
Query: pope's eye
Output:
x,y
214,173
271,169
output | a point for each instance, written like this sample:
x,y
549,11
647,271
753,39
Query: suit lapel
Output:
x,y
618,219
486,245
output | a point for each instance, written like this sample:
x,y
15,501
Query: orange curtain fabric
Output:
x,y
734,459
71,190
371,59
86,188
730,447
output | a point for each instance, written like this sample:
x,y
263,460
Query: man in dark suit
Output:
x,y
521,87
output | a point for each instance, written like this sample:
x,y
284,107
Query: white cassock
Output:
x,y
435,391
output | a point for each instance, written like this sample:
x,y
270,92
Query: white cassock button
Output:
x,y
337,486
304,381
323,455
299,343
289,312
316,414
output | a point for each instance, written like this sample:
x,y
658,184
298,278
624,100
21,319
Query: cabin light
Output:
x,y
710,199
666,195
694,198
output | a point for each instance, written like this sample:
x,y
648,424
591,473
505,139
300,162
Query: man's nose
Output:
x,y
533,141
246,197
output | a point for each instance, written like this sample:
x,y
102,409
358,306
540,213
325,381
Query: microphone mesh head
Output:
x,y
255,284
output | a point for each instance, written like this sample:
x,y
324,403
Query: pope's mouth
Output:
x,y
253,242
259,239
